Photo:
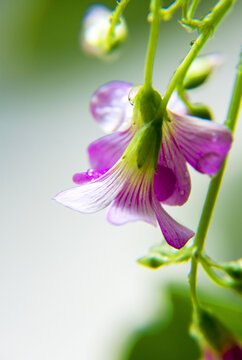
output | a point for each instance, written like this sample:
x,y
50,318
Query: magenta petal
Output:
x,y
85,177
106,151
80,178
175,234
110,106
164,183
177,186
203,143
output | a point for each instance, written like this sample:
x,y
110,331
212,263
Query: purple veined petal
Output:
x,y
94,195
110,106
177,105
134,202
203,143
175,234
106,151
172,184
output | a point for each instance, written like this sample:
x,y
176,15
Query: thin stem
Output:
x,y
215,184
193,8
216,181
154,33
166,13
115,20
217,279
209,24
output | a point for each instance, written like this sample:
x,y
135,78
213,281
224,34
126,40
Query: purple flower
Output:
x,y
131,175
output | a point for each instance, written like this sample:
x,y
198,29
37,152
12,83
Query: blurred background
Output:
x,y
70,287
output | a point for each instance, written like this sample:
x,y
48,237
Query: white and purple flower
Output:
x,y
141,165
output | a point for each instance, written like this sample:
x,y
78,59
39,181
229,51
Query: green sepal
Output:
x,y
147,106
149,145
152,261
159,256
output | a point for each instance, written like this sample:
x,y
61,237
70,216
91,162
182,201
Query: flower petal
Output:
x,y
176,104
164,183
172,165
106,151
203,143
133,202
85,177
174,233
110,106
94,195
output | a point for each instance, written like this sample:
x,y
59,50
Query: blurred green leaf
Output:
x,y
169,339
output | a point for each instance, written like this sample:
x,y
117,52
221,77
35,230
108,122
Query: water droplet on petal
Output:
x,y
90,172
133,92
182,192
214,137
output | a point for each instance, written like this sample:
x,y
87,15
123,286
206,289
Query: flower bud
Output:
x,y
200,70
96,25
234,269
201,111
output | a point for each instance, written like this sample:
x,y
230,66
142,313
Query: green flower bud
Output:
x,y
200,70
201,110
234,269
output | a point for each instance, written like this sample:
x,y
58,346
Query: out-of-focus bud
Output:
x,y
96,25
201,111
200,70
220,343
234,269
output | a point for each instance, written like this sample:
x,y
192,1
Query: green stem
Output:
x,y
193,8
224,282
166,13
154,33
215,184
115,20
209,24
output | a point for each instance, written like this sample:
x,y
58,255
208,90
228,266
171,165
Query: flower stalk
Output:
x,y
114,20
154,33
214,186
